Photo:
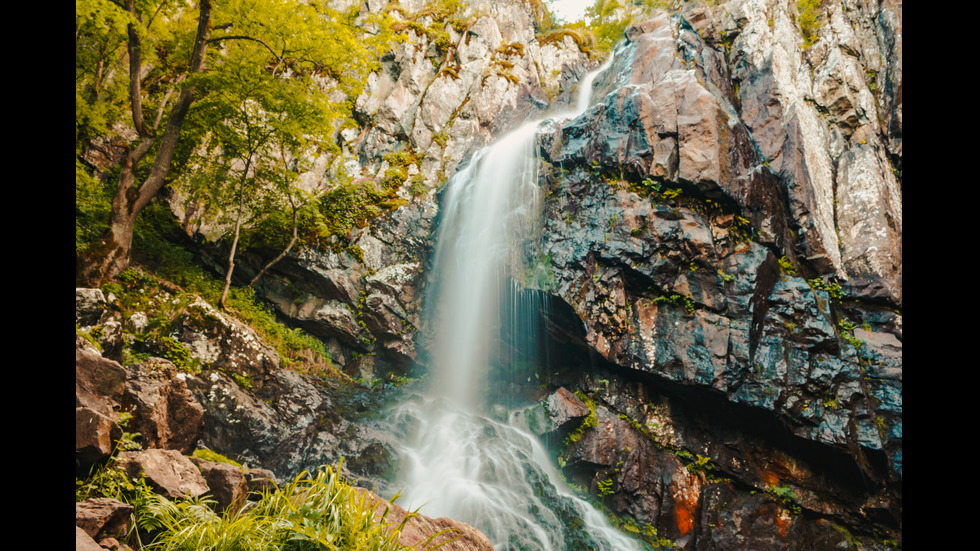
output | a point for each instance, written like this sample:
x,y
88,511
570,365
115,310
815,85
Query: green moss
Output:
x,y
677,299
417,186
646,532
215,457
581,37
699,464
432,20
832,287
91,336
244,380
740,231
166,347
590,420
786,496
787,266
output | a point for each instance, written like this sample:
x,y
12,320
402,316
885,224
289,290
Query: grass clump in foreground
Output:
x,y
313,512
318,512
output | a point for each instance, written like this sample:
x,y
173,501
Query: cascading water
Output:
x,y
456,461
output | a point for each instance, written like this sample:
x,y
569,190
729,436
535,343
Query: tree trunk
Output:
x,y
110,256
238,229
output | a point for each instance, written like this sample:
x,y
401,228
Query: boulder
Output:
x,y
566,409
99,384
292,421
102,516
228,484
456,536
222,342
167,471
90,305
95,437
260,480
84,542
165,413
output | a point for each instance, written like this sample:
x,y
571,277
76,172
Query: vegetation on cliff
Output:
x,y
257,81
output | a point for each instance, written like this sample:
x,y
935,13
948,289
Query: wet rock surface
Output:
x,y
703,232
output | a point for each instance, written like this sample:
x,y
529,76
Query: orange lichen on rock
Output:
x,y
686,504
783,522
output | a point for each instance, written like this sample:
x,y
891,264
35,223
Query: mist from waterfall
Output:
x,y
456,460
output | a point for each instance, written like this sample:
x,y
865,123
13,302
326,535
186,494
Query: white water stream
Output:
x,y
457,462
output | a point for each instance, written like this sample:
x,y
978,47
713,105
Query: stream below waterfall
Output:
x,y
456,459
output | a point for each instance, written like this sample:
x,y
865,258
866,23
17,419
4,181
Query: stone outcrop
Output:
x,y
219,341
242,403
292,423
166,414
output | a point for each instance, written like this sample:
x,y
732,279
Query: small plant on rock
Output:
x,y
809,19
605,488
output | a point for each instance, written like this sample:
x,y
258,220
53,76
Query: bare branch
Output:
x,y
166,99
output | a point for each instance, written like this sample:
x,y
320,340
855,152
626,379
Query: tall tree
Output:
x,y
211,58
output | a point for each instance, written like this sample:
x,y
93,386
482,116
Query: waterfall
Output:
x,y
456,461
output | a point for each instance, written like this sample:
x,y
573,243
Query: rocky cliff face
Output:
x,y
720,255
724,231
447,89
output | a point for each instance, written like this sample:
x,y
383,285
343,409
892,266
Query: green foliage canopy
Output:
x,y
251,76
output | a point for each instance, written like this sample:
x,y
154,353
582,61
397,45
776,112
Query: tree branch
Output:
x,y
166,99
135,62
168,140
244,37
292,241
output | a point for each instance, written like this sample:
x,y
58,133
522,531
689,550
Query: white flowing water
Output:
x,y
456,461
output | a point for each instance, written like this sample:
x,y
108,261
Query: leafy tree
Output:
x,y
167,89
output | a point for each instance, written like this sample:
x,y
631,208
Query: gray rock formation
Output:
x,y
724,229
722,226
